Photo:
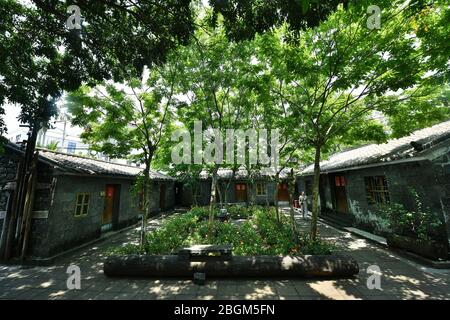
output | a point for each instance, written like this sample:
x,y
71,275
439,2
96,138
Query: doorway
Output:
x,y
178,191
283,192
340,193
240,192
111,206
162,196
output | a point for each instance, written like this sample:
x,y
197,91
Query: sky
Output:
x,y
11,114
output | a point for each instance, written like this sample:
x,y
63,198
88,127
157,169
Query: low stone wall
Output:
x,y
238,266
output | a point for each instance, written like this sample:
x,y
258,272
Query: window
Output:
x,y
82,205
260,189
377,190
71,146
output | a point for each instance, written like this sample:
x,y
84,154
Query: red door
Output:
x,y
283,192
240,190
109,205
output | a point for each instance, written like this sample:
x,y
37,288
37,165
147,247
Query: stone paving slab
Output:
x,y
401,278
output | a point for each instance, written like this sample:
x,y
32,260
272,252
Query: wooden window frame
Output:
x,y
263,189
84,204
377,190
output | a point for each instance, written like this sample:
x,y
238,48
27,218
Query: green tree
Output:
x,y
341,71
243,19
41,58
128,120
216,78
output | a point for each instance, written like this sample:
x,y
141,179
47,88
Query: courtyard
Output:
x,y
400,278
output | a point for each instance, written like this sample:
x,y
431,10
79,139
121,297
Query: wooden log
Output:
x,y
238,266
196,252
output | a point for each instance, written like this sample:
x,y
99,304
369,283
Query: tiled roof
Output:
x,y
78,164
395,149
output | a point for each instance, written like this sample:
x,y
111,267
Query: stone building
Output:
x,y
77,198
239,188
356,182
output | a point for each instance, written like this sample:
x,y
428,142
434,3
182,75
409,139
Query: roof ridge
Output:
x,y
84,157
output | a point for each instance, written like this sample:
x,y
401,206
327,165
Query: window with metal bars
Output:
x,y
377,190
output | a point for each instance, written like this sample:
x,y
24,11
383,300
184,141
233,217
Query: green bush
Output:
x,y
420,224
260,234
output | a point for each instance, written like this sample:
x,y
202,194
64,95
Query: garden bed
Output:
x,y
426,248
261,246
259,234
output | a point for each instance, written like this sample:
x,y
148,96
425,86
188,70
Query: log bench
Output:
x,y
205,252
239,266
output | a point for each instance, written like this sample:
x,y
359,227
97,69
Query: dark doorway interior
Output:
x,y
178,191
162,197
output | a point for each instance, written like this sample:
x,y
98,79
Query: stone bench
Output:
x,y
206,251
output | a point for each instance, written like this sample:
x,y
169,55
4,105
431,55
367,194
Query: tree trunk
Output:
x,y
213,198
291,207
194,192
315,204
275,200
250,190
147,200
219,192
28,209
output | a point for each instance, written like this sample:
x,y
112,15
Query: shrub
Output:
x,y
261,234
420,224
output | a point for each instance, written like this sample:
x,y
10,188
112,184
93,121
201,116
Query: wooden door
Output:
x,y
340,194
283,192
240,190
108,207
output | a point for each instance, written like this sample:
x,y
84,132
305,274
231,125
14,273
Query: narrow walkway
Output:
x,y
400,279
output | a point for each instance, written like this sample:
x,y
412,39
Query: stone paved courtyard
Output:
x,y
401,278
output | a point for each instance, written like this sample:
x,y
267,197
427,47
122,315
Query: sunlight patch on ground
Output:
x,y
260,293
357,244
57,294
46,284
415,294
330,290
403,278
